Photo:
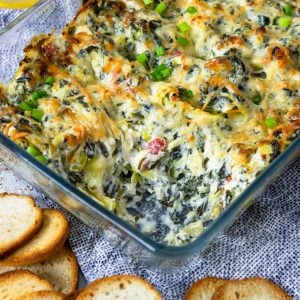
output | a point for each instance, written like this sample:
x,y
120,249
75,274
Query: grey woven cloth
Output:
x,y
264,241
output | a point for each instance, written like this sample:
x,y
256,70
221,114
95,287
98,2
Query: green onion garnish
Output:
x,y
142,58
38,95
156,76
160,51
183,42
42,159
49,80
284,22
191,10
256,99
33,103
271,122
288,10
160,67
184,27
188,94
25,107
37,114
161,72
166,72
161,7
147,2
32,150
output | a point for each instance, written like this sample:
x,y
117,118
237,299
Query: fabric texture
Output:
x,y
264,241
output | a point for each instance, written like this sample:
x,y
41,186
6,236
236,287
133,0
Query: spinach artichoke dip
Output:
x,y
164,112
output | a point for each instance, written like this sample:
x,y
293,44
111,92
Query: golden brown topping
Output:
x,y
219,64
230,41
280,54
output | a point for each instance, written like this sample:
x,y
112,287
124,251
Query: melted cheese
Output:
x,y
167,156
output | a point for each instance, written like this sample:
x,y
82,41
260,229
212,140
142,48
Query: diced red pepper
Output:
x,y
157,145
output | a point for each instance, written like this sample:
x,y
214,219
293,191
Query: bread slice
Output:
x,y
42,295
74,295
49,239
61,270
204,288
120,287
17,283
20,220
249,289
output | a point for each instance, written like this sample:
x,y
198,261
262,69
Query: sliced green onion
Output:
x,y
166,72
148,2
49,80
32,103
256,99
191,10
37,114
288,10
189,94
156,76
38,95
284,22
271,122
42,159
161,7
32,150
35,95
160,51
142,58
184,27
25,107
183,42
161,68
161,72
186,94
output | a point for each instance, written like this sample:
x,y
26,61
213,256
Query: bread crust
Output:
x,y
42,295
49,270
29,253
238,289
204,288
97,284
11,283
8,247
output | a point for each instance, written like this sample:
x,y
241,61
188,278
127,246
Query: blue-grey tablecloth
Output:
x,y
265,241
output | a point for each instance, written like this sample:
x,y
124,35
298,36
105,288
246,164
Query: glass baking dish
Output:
x,y
43,18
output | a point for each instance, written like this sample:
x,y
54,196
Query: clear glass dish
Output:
x,y
43,18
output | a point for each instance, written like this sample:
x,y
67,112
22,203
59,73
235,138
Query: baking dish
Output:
x,y
43,18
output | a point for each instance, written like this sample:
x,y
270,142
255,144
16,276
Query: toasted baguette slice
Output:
x,y
120,287
20,220
74,295
204,288
251,288
17,283
49,239
42,295
61,270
